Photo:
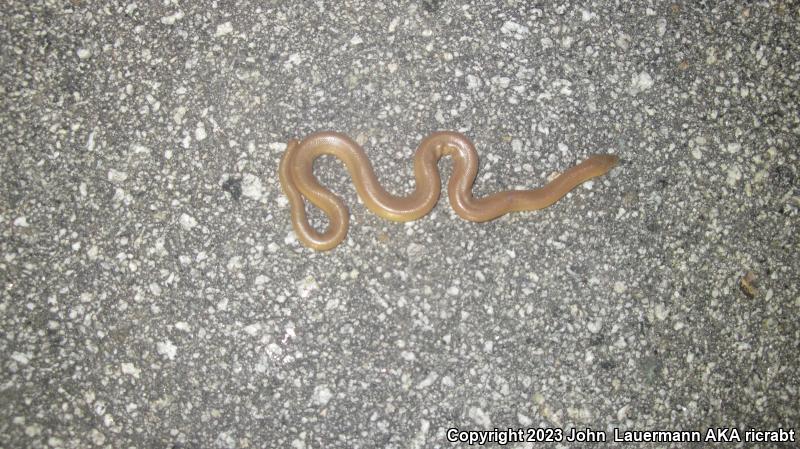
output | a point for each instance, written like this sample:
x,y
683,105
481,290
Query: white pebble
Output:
x,y
234,263
480,417
294,59
641,82
130,369
251,187
187,221
21,358
117,176
408,356
90,142
155,289
428,381
306,286
322,394
200,132
172,18
177,115
660,312
261,280
223,29
167,349
734,175
277,147
415,250
21,222
734,147
511,27
393,24
252,329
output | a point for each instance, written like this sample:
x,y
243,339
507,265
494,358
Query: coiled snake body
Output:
x,y
298,182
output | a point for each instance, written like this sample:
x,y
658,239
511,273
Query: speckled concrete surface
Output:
x,y
154,294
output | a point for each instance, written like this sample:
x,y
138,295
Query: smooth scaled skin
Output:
x,y
298,182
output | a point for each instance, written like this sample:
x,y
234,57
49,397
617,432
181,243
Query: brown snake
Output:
x,y
298,182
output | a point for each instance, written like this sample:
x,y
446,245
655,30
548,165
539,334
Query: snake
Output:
x,y
296,173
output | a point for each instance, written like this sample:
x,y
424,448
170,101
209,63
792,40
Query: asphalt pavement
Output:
x,y
154,294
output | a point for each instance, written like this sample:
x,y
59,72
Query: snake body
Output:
x,y
298,183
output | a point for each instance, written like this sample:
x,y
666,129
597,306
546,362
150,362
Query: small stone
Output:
x,y
511,27
97,437
117,176
277,147
251,187
322,394
223,29
167,349
138,148
306,286
177,114
155,289
660,312
200,132
234,264
711,55
187,221
733,147
172,18
130,369
428,381
294,59
90,142
253,329
641,82
21,358
734,175
415,251
480,417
